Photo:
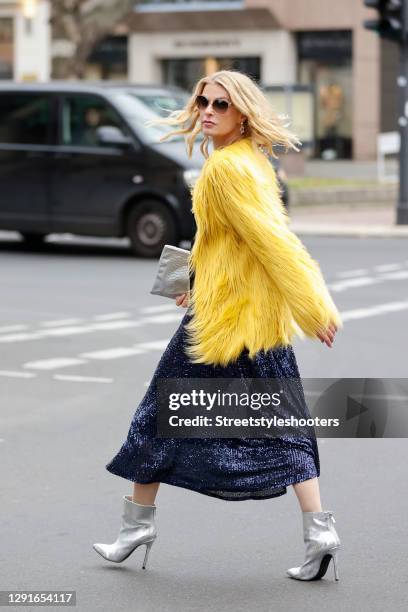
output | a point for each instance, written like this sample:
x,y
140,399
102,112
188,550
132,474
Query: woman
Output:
x,y
255,287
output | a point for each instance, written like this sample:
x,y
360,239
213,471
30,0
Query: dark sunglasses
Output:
x,y
220,105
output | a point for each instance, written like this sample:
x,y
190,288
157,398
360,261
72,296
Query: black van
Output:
x,y
77,157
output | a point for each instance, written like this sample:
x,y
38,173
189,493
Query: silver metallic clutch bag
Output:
x,y
172,277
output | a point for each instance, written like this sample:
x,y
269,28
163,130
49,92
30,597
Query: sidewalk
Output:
x,y
346,220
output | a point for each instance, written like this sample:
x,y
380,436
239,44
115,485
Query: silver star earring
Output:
x,y
242,128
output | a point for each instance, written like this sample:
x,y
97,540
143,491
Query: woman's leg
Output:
x,y
308,494
145,493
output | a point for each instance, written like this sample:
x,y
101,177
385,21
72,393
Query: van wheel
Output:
x,y
33,240
150,225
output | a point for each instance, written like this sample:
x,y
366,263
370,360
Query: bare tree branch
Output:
x,y
84,23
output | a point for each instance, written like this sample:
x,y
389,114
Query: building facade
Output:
x,y
340,78
316,43
25,40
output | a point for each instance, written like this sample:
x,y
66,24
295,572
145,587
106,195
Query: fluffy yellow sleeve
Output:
x,y
244,197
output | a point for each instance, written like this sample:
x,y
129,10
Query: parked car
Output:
x,y
77,157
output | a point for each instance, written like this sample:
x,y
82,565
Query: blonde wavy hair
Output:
x,y
262,124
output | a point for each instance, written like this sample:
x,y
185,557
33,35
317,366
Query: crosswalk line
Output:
x,y
52,364
361,281
351,273
91,327
371,311
12,374
112,315
159,308
57,322
154,344
73,378
11,328
387,267
113,353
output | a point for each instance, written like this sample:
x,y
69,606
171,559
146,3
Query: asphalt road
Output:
x,y
80,337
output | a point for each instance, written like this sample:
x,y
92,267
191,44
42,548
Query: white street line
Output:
x,y
396,275
363,281
92,327
123,351
113,353
21,337
68,331
82,378
164,318
112,315
160,308
350,273
10,328
61,322
386,267
362,313
17,374
155,344
52,364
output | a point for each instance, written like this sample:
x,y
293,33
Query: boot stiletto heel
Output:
x,y
148,547
322,545
138,527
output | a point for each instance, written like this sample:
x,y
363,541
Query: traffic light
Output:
x,y
390,22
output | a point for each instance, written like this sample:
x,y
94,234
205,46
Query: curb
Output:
x,y
319,229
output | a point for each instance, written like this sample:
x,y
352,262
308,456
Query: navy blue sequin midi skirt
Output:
x,y
231,469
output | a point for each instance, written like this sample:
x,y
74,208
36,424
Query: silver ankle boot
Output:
x,y
138,527
322,544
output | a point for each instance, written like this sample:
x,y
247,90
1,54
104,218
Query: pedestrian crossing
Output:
x,y
154,316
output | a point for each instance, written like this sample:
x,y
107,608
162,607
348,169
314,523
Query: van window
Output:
x,y
82,115
25,118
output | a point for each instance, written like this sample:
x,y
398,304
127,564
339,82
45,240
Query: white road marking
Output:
x,y
10,328
113,353
350,273
372,311
112,315
160,308
365,271
123,351
396,275
387,267
164,318
154,344
52,364
21,337
82,378
362,281
17,374
91,327
68,331
61,322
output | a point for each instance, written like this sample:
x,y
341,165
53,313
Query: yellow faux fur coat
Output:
x,y
255,284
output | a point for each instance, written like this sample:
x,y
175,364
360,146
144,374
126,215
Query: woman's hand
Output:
x,y
327,336
182,300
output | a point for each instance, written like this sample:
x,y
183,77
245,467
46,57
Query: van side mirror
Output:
x,y
112,135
